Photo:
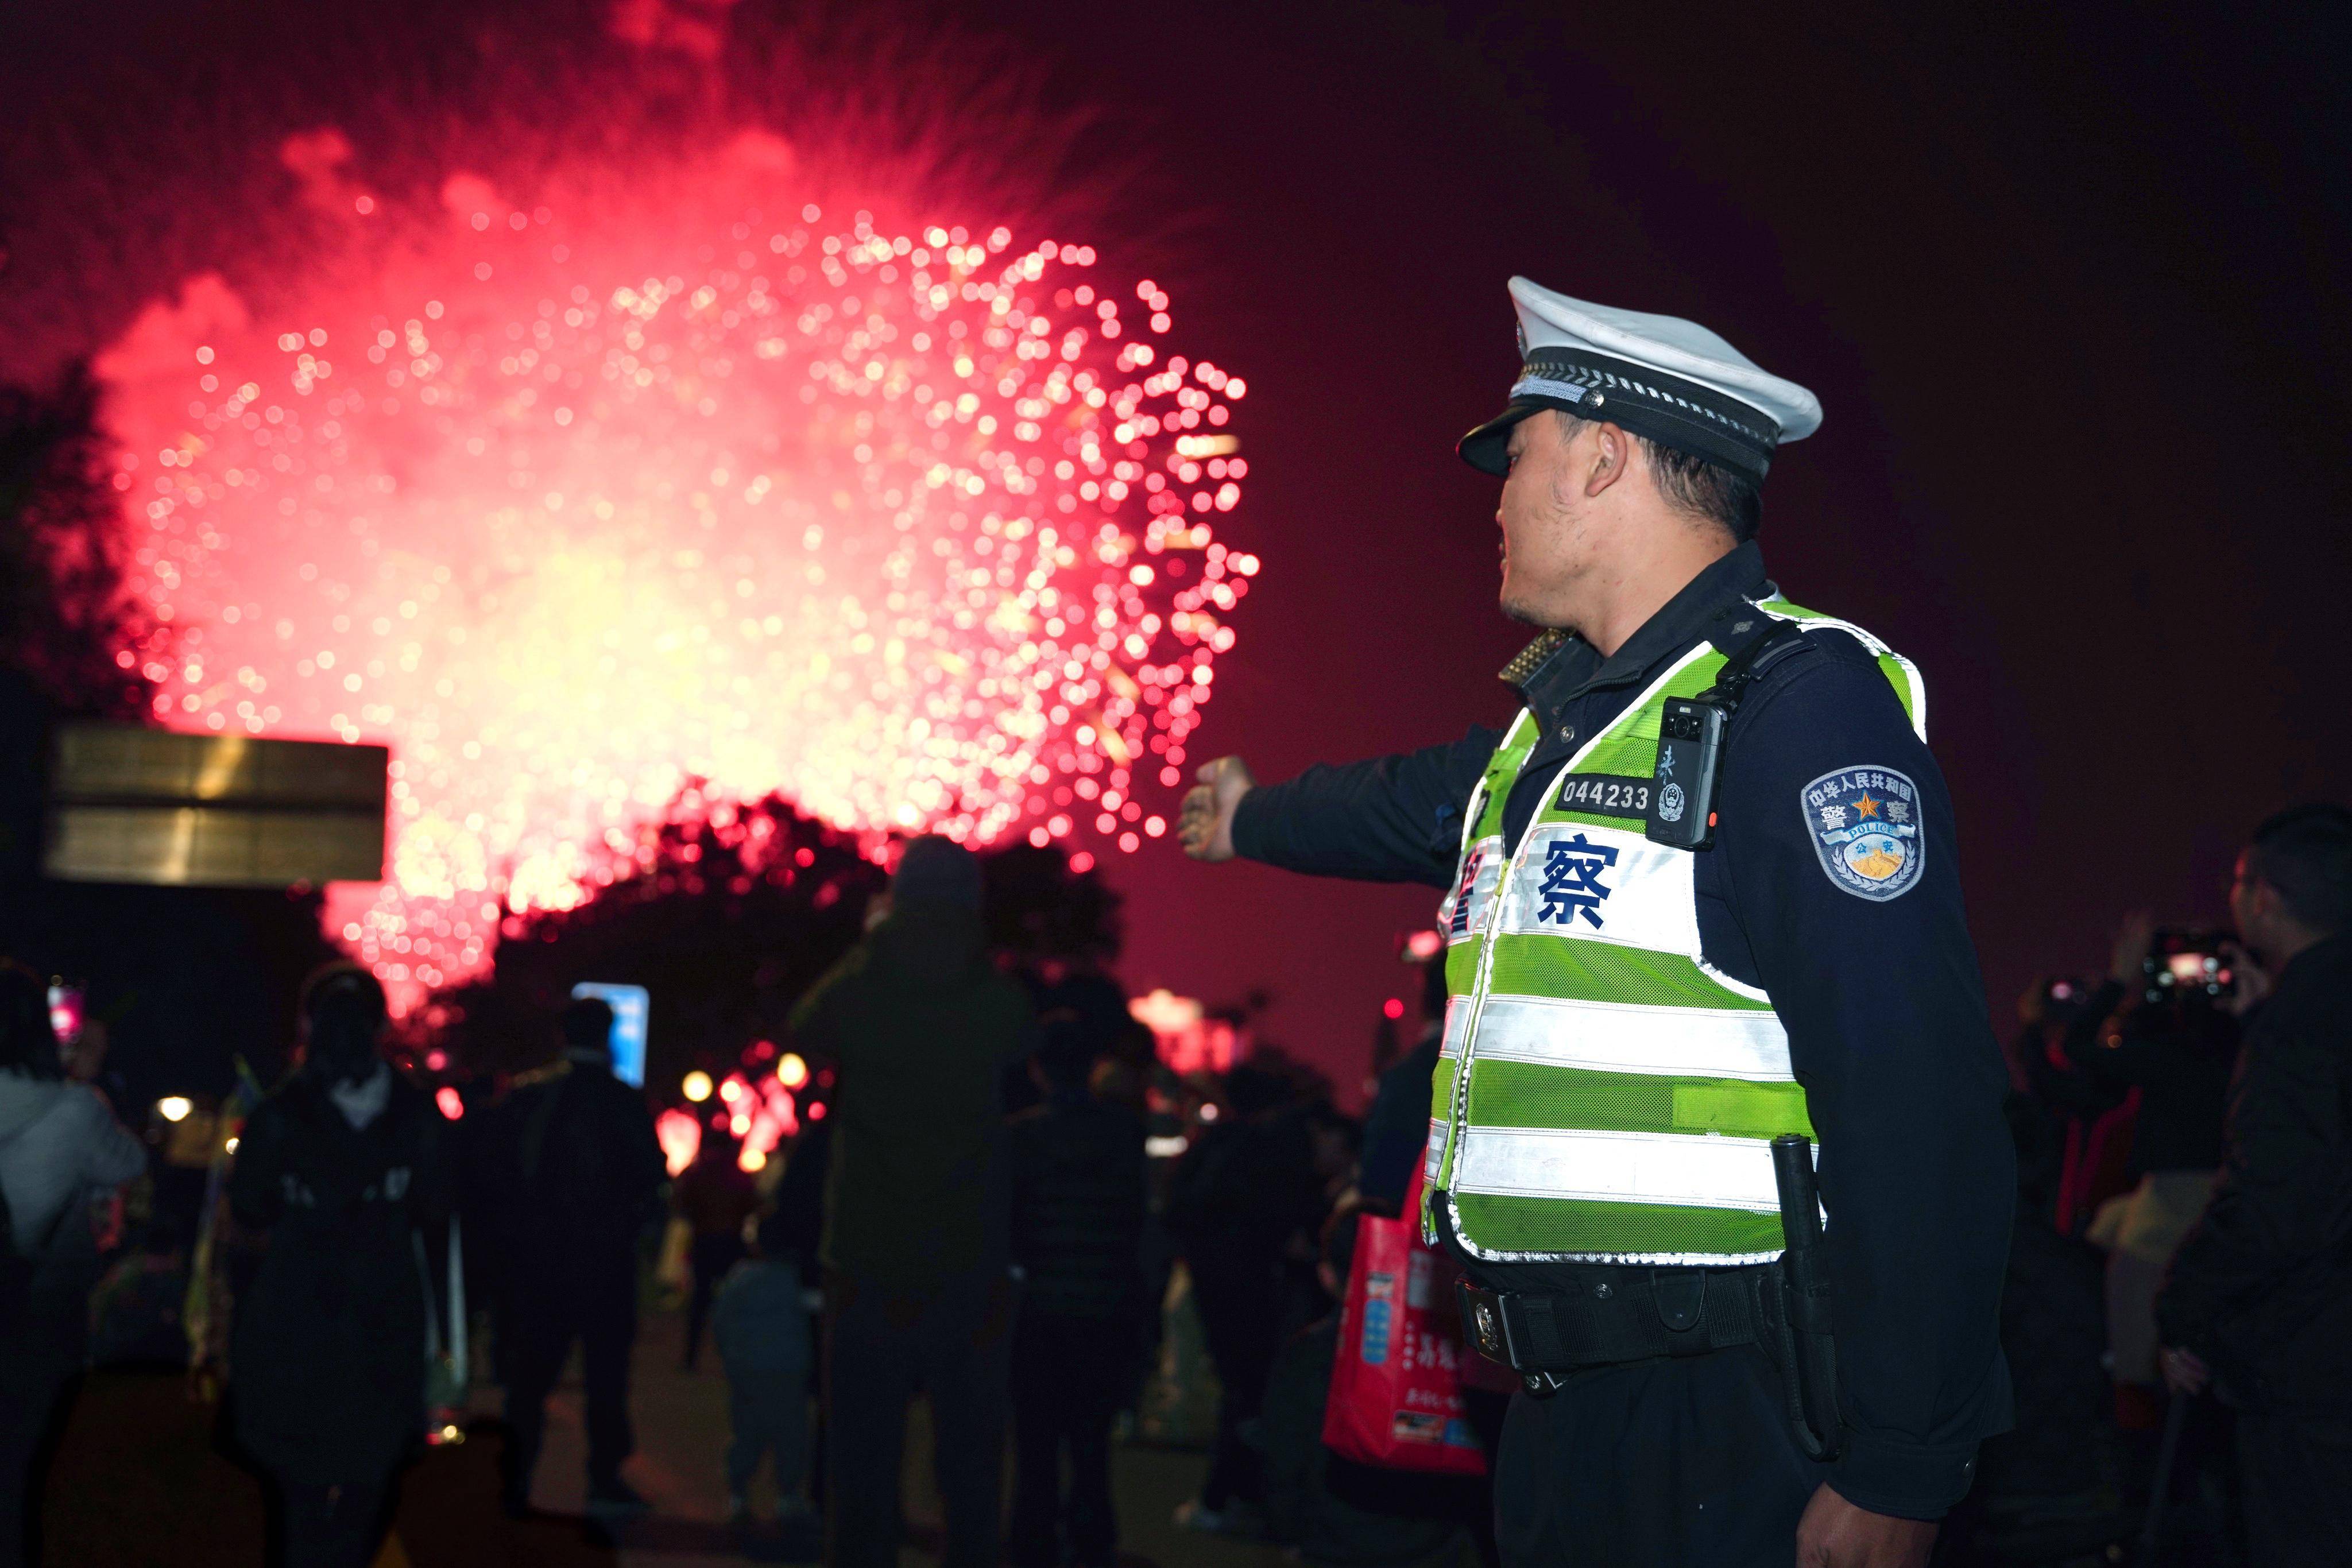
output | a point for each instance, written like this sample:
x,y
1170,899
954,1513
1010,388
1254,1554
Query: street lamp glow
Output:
x,y
173,1107
697,1086
792,1071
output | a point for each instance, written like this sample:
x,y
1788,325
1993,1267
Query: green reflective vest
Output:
x,y
1603,1093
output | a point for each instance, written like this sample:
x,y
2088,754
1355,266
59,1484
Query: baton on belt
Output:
x,y
1805,1298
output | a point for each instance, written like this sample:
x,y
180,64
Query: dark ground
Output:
x,y
137,1486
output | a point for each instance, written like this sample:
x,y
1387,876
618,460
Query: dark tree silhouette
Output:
x,y
187,978
65,614
1041,913
68,625
727,917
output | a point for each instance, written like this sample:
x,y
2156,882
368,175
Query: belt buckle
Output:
x,y
1483,1323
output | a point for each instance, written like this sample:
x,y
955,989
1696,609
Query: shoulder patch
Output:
x,y
1865,823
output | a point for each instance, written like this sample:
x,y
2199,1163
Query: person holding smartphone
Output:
x,y
2259,1295
59,1146
2177,1045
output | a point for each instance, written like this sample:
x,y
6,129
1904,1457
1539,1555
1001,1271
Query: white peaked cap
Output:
x,y
1662,377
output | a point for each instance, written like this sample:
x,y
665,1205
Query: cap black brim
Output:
x,y
1488,448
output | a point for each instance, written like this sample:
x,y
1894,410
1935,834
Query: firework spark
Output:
x,y
587,504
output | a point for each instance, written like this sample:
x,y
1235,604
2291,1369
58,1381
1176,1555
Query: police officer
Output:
x,y
1658,964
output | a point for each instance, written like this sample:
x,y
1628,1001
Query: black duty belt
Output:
x,y
1611,1315
1617,1315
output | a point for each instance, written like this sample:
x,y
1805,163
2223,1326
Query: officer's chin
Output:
x,y
1512,609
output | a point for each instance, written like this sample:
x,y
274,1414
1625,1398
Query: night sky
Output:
x,y
2069,291
2069,287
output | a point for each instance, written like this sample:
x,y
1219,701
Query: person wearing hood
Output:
x,y
344,1169
915,1248
59,1145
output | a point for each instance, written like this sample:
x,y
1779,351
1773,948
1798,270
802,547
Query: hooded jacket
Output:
x,y
58,1141
922,1026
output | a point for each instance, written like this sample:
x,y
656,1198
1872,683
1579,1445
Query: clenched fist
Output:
x,y
1205,826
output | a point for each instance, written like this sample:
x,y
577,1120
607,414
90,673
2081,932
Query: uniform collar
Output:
x,y
1558,667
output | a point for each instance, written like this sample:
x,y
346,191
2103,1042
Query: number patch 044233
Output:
x,y
1606,795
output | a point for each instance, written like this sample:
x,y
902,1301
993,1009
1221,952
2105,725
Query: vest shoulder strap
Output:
x,y
1910,688
1748,641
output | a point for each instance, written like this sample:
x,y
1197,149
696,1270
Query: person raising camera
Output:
x,y
2260,1293
2164,1023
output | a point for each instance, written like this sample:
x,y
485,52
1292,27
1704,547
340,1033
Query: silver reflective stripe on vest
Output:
x,y
1617,1022
1692,1170
1458,1028
1632,1036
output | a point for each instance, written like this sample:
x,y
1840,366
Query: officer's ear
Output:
x,y
1612,456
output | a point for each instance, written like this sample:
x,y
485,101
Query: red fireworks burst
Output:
x,y
583,502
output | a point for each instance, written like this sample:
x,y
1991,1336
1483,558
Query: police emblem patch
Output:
x,y
1865,823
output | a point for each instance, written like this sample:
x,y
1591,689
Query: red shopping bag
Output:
x,y
1396,1384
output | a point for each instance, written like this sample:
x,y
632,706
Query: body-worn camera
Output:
x,y
2188,966
1680,812
1690,759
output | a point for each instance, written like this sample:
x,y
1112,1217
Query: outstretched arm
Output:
x,y
1391,819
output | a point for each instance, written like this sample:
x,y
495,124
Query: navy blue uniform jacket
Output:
x,y
1882,1000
